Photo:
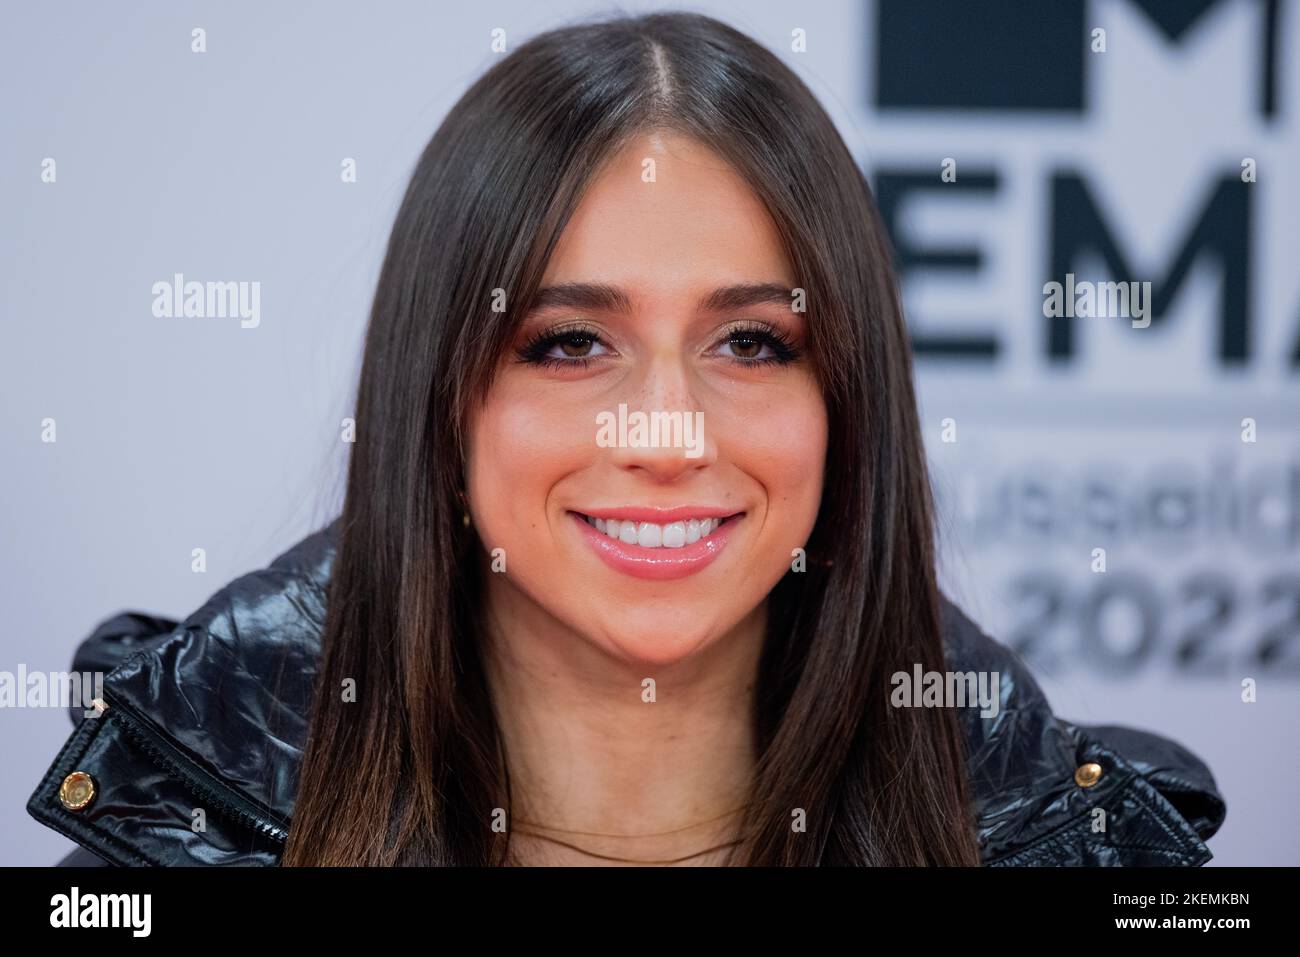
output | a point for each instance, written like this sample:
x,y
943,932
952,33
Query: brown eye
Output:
x,y
745,347
572,347
576,347
757,346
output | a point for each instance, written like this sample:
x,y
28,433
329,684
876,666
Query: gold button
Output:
x,y
1086,775
77,790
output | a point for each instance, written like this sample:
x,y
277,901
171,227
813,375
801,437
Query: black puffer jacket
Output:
x,y
194,759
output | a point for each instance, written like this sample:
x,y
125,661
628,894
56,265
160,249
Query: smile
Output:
x,y
651,535
679,542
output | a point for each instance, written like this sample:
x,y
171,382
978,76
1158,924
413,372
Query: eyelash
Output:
x,y
534,351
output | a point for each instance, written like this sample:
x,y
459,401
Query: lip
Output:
x,y
658,564
659,516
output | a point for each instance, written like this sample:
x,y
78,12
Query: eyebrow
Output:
x,y
604,297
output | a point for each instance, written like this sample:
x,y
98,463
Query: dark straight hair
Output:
x,y
413,771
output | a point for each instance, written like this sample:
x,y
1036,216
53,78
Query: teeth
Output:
x,y
650,535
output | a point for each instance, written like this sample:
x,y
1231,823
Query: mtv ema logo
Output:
x,y
981,68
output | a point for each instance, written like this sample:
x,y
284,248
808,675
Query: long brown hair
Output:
x,y
412,771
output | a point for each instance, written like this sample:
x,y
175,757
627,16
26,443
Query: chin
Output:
x,y
655,640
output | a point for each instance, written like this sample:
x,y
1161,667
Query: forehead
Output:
x,y
696,224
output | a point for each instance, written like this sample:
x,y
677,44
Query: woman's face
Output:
x,y
667,305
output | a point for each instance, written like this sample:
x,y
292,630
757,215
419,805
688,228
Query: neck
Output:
x,y
586,754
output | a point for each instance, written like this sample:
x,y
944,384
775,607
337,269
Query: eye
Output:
x,y
574,345
747,346
569,346
757,344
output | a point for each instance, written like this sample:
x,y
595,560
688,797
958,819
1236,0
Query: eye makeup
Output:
x,y
573,340
573,345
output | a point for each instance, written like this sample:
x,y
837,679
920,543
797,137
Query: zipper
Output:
x,y
207,787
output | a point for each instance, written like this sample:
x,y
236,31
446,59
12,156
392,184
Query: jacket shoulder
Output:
x,y
173,774
1049,791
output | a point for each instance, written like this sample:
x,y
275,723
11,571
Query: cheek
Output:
x,y
516,456
782,445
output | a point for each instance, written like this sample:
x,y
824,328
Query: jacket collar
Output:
x,y
230,687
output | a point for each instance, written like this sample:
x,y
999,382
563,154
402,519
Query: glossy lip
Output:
x,y
659,516
657,564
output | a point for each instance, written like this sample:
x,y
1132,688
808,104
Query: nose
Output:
x,y
663,432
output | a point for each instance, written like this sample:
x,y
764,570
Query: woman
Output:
x,y
636,540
